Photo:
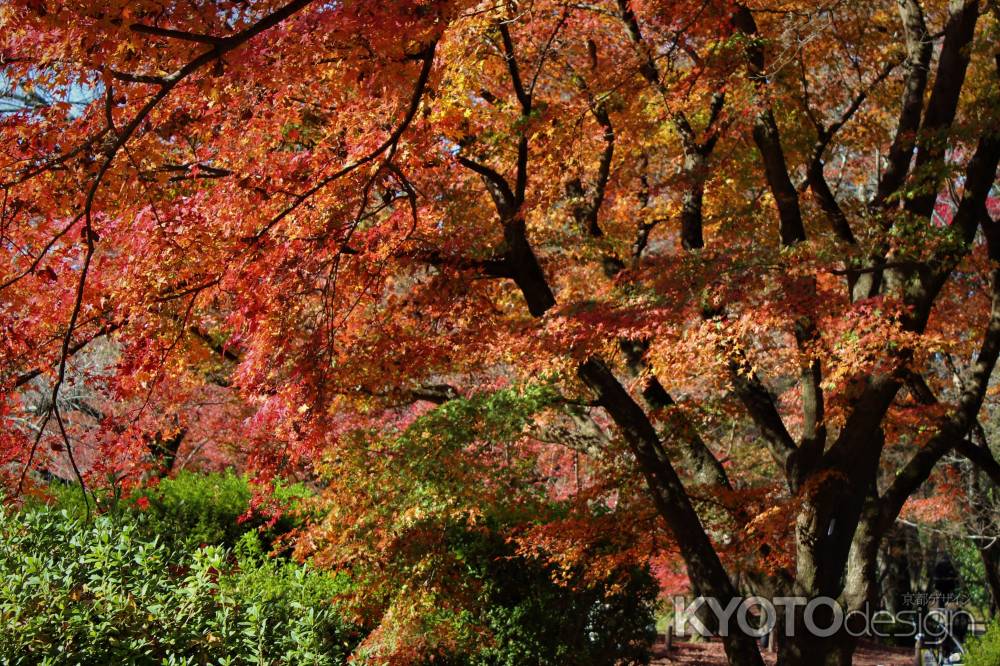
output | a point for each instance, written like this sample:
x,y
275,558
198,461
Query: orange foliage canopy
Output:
x,y
736,241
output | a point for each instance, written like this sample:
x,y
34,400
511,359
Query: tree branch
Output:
x,y
760,405
107,329
767,136
182,35
948,80
919,47
957,425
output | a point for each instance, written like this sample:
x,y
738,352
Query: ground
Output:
x,y
711,654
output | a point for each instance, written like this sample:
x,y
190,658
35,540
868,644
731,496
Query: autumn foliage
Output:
x,y
697,281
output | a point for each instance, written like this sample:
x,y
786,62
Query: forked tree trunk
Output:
x,y
707,573
836,559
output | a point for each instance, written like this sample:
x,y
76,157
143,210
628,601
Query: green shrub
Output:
x,y
103,593
985,650
199,509
971,572
191,509
136,586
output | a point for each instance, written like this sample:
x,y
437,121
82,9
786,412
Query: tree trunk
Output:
x,y
807,650
804,644
991,562
837,543
985,522
707,574
898,582
695,173
861,584
527,272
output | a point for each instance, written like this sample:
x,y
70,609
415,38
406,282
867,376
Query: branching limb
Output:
x,y
957,425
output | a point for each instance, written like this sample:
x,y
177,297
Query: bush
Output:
x,y
200,509
102,593
985,650
191,509
136,585
971,572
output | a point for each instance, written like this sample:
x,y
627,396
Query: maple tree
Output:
x,y
735,240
